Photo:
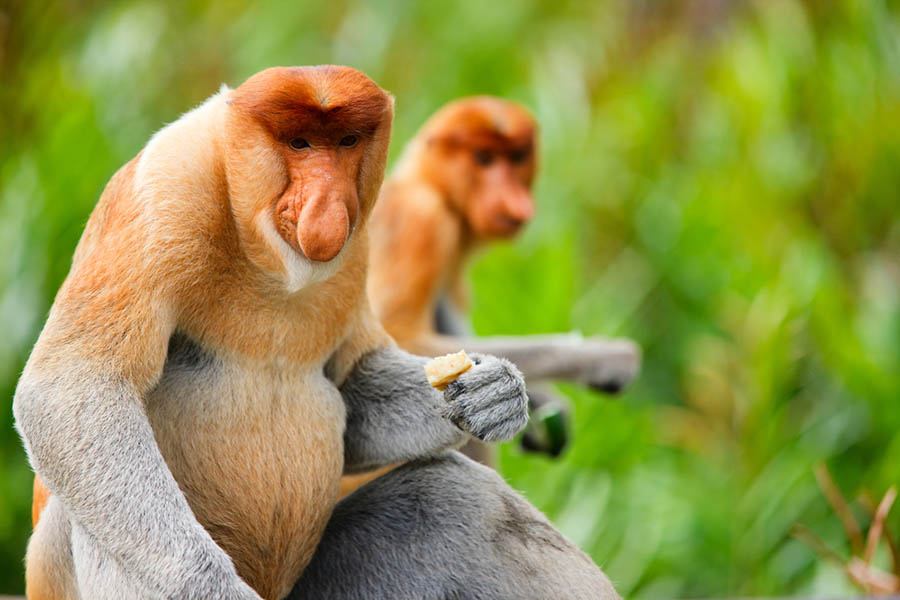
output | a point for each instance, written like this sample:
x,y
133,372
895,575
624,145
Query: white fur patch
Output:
x,y
301,271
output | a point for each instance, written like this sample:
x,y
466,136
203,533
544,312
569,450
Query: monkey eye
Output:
x,y
519,155
298,144
348,141
483,157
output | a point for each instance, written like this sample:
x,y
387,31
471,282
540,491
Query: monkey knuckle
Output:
x,y
500,421
478,358
499,376
504,430
455,389
486,432
503,373
511,389
466,424
451,411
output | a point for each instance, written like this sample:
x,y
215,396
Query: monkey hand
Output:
x,y
608,365
488,401
548,427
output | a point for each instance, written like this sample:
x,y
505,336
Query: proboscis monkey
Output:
x,y
210,368
465,180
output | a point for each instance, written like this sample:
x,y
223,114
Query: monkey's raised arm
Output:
x,y
394,415
605,364
79,408
417,252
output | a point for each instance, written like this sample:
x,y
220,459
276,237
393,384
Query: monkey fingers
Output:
x,y
548,429
489,400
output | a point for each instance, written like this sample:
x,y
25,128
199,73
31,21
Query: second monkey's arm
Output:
x,y
393,415
602,363
605,364
409,265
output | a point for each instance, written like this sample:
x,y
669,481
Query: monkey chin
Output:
x,y
502,229
300,271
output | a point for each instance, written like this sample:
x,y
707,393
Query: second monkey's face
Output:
x,y
315,145
482,153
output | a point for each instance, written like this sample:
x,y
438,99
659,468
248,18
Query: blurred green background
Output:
x,y
719,181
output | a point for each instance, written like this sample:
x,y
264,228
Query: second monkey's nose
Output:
x,y
323,228
521,210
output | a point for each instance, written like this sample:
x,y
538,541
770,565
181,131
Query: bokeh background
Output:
x,y
719,181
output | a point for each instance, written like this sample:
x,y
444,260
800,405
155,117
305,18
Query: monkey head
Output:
x,y
305,152
480,152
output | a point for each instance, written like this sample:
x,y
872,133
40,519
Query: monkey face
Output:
x,y
306,155
499,200
483,156
320,208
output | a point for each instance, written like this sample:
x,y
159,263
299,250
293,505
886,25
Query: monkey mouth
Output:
x,y
505,225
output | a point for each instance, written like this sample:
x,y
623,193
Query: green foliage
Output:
x,y
719,181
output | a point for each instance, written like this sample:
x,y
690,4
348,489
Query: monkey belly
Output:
x,y
258,453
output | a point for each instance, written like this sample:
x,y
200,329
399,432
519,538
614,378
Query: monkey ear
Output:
x,y
371,172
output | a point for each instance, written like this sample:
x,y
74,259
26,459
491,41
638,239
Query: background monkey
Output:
x,y
463,180
210,367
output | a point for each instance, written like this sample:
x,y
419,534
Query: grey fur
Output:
x,y
393,415
449,323
446,528
437,528
448,320
94,448
53,535
127,523
604,364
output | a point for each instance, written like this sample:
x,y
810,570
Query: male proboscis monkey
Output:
x,y
210,368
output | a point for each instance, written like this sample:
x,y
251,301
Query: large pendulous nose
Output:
x,y
323,227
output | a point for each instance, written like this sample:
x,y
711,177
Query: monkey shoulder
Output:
x,y
414,218
417,200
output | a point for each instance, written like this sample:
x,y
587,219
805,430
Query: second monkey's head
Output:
x,y
305,156
480,153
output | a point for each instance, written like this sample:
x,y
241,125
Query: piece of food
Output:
x,y
443,370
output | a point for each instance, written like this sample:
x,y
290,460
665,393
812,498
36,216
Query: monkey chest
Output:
x,y
258,451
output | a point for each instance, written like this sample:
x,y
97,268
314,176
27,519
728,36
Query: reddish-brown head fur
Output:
x,y
314,140
480,152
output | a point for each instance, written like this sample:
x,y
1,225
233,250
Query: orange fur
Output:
x,y
39,585
178,240
437,206
39,497
440,204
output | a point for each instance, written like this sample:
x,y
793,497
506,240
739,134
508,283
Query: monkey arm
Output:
x,y
79,408
410,261
414,244
393,415
607,364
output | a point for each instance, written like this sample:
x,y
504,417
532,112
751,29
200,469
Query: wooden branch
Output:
x,y
841,508
868,503
878,524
